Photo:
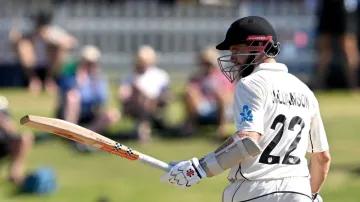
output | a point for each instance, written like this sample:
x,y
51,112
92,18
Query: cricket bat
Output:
x,y
82,135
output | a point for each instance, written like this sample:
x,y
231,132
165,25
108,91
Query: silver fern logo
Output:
x,y
4,103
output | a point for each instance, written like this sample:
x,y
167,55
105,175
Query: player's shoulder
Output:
x,y
254,83
254,80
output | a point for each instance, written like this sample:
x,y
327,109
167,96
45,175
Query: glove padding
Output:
x,y
185,173
317,198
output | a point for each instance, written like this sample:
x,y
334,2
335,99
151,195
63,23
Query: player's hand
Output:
x,y
317,198
185,173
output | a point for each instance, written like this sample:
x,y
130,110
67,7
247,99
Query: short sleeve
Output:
x,y
317,138
249,108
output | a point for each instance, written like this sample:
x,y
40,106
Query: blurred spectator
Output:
x,y
42,51
215,2
15,146
84,92
144,92
337,21
208,95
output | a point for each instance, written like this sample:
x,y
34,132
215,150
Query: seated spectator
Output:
x,y
14,146
84,92
42,51
144,92
208,95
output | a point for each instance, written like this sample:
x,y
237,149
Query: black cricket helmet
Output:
x,y
261,40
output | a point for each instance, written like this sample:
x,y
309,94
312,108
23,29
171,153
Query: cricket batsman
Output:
x,y
277,121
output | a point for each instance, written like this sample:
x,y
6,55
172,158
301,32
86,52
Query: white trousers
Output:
x,y
294,189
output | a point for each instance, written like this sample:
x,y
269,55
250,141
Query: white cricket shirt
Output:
x,y
286,113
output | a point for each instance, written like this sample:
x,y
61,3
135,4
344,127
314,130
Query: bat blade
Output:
x,y
79,134
85,136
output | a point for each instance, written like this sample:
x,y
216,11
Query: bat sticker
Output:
x,y
118,146
130,151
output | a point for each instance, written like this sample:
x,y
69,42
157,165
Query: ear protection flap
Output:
x,y
272,50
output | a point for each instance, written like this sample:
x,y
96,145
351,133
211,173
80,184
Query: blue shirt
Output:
x,y
93,92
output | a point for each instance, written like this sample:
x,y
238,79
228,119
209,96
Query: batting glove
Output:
x,y
185,173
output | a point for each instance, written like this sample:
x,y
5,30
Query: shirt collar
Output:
x,y
271,67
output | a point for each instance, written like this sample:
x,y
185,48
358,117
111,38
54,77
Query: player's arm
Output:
x,y
236,149
243,144
320,156
319,168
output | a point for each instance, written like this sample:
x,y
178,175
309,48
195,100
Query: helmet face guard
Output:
x,y
257,46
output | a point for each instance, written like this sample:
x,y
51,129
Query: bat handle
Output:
x,y
154,162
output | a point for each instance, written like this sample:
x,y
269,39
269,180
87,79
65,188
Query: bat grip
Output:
x,y
154,162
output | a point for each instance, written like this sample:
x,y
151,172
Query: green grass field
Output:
x,y
84,178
